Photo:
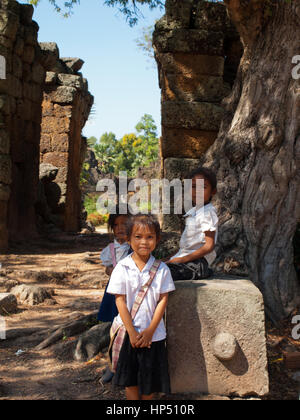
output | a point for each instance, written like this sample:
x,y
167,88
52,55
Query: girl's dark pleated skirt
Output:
x,y
145,368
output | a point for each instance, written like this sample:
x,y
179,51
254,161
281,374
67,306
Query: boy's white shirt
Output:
x,y
121,252
127,280
193,238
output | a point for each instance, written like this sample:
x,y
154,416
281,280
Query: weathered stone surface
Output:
x,y
74,64
31,295
192,115
92,342
48,172
202,310
8,304
4,192
194,88
5,169
176,168
64,95
225,346
187,41
191,64
184,143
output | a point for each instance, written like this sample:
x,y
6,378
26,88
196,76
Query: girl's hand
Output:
x,y
176,261
145,339
133,337
109,270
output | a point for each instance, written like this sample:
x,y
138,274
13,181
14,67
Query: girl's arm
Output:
x,y
145,337
109,270
207,248
126,318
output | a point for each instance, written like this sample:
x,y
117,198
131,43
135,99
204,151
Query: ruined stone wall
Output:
x,y
44,104
20,114
66,107
197,51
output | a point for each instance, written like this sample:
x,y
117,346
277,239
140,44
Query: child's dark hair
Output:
x,y
112,218
143,220
208,174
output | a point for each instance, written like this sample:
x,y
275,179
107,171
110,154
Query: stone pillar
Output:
x,y
191,43
20,119
216,338
66,107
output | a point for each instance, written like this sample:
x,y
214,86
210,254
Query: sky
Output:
x,y
122,79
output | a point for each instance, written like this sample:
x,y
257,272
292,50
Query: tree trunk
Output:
x,y
257,154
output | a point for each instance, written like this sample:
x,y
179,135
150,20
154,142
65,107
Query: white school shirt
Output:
x,y
121,252
127,279
193,238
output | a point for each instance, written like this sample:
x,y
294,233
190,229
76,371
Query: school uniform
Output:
x,y
146,368
108,309
198,221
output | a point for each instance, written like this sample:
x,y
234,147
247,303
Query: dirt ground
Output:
x,y
70,265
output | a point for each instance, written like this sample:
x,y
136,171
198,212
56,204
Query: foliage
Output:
x,y
145,41
90,203
84,175
96,219
129,8
131,152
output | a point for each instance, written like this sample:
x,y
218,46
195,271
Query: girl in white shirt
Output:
x,y
143,364
196,254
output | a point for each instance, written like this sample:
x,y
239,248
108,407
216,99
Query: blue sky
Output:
x,y
121,77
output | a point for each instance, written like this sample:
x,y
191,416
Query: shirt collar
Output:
x,y
193,212
128,261
118,245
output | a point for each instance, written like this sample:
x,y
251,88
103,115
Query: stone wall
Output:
x,y
44,104
197,51
20,112
66,107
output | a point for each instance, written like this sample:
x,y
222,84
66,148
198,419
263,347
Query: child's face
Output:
x,y
143,240
203,194
119,229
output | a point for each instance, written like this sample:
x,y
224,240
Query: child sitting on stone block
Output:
x,y
196,253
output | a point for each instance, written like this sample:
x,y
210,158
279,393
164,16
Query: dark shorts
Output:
x,y
195,270
145,368
108,309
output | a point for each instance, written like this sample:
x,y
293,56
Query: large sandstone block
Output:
x,y
216,338
187,41
183,143
192,115
195,88
190,64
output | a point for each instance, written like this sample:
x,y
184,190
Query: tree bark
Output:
x,y
257,154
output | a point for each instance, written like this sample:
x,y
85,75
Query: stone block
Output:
x,y
211,16
193,88
183,143
54,125
216,338
189,41
73,64
190,64
64,95
192,115
5,169
4,142
180,11
4,197
8,304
